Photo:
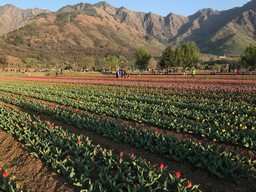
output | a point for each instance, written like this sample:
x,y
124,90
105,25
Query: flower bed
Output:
x,y
200,154
85,165
233,122
215,120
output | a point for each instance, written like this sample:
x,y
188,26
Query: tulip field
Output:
x,y
203,126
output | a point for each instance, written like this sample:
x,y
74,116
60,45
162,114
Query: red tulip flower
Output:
x,y
121,154
132,155
178,174
161,166
79,142
190,184
5,174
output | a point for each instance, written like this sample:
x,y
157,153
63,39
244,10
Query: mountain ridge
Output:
x,y
84,29
12,17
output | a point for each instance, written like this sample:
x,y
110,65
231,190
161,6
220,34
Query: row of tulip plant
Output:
x,y
160,83
235,126
201,154
135,92
86,166
176,97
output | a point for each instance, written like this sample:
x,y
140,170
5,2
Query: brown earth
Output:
x,y
207,182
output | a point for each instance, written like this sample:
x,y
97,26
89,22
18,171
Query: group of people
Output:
x,y
122,73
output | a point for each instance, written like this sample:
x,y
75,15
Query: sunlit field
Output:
x,y
143,133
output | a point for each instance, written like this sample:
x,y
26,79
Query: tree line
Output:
x,y
187,56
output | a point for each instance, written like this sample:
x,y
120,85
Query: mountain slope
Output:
x,y
73,34
152,25
12,17
220,32
100,30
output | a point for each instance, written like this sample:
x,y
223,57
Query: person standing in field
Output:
x,y
193,73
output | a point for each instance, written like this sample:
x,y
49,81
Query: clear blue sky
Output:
x,y
161,7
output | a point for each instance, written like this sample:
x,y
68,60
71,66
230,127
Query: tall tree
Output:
x,y
142,58
112,62
249,57
189,54
179,57
168,58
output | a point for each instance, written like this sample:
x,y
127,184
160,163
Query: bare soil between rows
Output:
x,y
29,172
50,181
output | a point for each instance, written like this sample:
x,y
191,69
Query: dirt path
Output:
x,y
30,173
208,182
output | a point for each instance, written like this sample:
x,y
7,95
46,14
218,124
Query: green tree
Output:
x,y
168,58
179,57
189,53
142,58
249,57
112,62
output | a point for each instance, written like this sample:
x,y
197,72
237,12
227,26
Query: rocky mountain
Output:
x,y
12,17
152,25
215,32
78,31
220,32
99,30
